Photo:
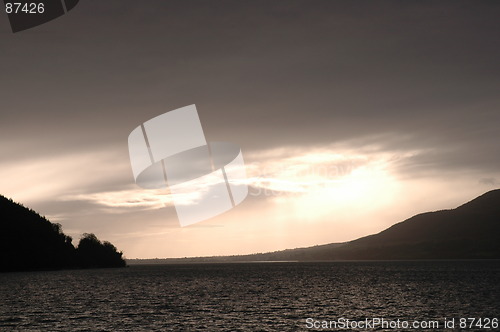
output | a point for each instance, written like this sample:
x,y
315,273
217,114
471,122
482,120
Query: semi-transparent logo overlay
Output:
x,y
170,151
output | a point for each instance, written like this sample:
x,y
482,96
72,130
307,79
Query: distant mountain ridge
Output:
x,y
29,241
470,231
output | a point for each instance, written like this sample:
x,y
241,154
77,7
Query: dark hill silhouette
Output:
x,y
29,241
468,232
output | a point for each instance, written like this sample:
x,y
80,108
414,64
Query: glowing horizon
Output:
x,y
311,191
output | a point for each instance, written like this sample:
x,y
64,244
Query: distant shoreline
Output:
x,y
168,261
468,232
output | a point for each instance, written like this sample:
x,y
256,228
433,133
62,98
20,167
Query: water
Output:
x,y
246,296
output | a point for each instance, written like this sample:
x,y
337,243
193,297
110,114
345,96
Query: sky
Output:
x,y
351,115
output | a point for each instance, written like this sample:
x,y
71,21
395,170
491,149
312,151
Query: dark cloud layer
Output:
x,y
401,74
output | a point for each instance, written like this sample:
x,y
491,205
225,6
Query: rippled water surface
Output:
x,y
247,296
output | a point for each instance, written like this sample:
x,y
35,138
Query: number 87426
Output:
x,y
26,8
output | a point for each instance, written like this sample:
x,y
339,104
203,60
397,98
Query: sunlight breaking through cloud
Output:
x,y
320,170
310,177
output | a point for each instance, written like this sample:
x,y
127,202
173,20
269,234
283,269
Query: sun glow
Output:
x,y
363,190
307,185
319,183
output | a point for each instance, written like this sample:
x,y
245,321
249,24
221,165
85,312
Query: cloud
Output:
x,y
123,200
489,181
393,106
46,177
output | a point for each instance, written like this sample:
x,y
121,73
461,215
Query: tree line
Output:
x,y
29,241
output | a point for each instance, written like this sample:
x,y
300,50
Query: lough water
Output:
x,y
248,296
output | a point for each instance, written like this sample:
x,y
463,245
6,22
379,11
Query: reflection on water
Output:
x,y
251,296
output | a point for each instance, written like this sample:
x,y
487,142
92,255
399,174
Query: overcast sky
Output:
x,y
351,115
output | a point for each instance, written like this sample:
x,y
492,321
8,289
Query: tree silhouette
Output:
x,y
29,241
93,253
